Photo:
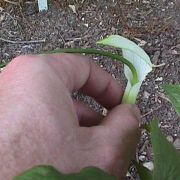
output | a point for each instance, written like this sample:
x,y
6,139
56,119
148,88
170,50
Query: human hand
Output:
x,y
40,123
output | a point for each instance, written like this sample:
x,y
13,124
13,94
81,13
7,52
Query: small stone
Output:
x,y
142,158
2,18
149,165
155,58
128,174
156,87
1,9
104,112
15,22
145,2
1,69
87,25
113,67
146,95
140,42
70,44
159,79
144,153
113,75
174,52
177,46
177,144
113,29
73,8
169,138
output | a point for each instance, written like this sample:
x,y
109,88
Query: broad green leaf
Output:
x,y
136,56
142,67
166,158
124,43
50,173
40,172
144,173
173,92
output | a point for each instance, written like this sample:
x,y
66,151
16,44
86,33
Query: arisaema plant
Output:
x,y
136,62
138,58
137,65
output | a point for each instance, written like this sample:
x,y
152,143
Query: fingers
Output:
x,y
78,72
102,87
87,117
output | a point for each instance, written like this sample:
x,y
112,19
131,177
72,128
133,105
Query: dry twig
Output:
x,y
12,2
150,112
22,42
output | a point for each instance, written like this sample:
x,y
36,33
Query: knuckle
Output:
x,y
70,60
23,60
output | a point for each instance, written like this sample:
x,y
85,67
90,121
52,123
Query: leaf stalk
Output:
x,y
102,53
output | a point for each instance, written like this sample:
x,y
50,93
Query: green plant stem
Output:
x,y
102,53
3,65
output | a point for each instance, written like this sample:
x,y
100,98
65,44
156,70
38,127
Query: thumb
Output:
x,y
120,132
122,121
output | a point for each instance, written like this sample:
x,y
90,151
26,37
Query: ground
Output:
x,y
155,25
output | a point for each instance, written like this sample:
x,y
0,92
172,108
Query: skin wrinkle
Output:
x,y
89,79
105,90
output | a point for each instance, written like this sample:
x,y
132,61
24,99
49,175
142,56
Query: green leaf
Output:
x,y
124,43
3,65
50,173
135,55
166,158
101,53
40,172
173,92
144,173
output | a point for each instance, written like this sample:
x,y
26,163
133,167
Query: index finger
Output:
x,y
80,73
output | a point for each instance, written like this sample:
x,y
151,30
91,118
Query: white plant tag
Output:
x,y
42,5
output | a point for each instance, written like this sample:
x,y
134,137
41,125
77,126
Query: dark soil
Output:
x,y
154,23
